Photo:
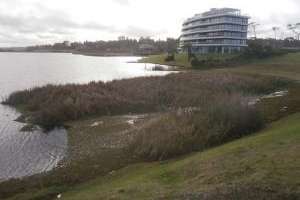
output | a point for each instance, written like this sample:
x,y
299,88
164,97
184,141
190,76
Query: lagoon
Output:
x,y
27,153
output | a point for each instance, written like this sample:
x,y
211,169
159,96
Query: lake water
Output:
x,y
28,153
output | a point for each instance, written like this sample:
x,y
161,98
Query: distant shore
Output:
x,y
84,53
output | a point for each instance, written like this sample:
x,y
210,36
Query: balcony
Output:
x,y
199,24
211,37
217,43
206,30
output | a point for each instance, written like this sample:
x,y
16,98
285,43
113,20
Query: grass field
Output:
x,y
258,167
266,164
287,66
181,60
263,166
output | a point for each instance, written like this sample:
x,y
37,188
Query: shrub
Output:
x,y
170,57
197,64
257,49
210,61
215,122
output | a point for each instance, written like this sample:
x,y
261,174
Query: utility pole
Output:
x,y
253,25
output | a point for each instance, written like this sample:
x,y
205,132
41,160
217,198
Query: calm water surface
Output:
x,y
23,154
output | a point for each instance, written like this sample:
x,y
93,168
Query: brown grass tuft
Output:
x,y
52,105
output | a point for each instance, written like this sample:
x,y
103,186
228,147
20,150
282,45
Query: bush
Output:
x,y
211,61
257,49
214,123
170,57
197,64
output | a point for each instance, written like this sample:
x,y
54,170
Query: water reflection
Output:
x,y
27,153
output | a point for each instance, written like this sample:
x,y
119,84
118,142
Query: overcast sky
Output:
x,y
28,22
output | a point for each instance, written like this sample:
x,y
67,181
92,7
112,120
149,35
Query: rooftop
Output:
x,y
217,11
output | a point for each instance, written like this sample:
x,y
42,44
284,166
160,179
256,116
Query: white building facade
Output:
x,y
216,31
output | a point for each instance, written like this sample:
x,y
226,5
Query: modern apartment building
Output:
x,y
216,31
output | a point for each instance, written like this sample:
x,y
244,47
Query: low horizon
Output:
x,y
136,99
31,22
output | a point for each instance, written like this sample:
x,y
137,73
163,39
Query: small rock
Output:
x,y
131,122
96,124
112,173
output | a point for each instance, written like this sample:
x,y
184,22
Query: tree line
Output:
x,y
144,45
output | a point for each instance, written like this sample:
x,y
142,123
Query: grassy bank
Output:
x,y
198,110
263,166
97,147
274,65
194,111
287,66
181,59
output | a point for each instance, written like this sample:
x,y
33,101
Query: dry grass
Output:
x,y
192,129
53,105
201,109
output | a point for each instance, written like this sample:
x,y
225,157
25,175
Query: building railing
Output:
x,y
201,17
203,30
212,37
198,24
224,42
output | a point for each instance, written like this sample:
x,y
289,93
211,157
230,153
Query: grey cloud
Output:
x,y
122,2
58,24
96,26
276,20
8,39
135,31
43,23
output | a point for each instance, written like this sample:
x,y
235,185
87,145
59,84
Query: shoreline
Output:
x,y
93,126
84,53
84,132
168,67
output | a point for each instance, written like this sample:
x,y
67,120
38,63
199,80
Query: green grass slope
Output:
x,y
181,59
265,165
287,66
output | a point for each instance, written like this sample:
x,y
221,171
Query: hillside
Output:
x,y
265,165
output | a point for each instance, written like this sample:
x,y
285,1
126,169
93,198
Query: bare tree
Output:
x,y
295,28
253,26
